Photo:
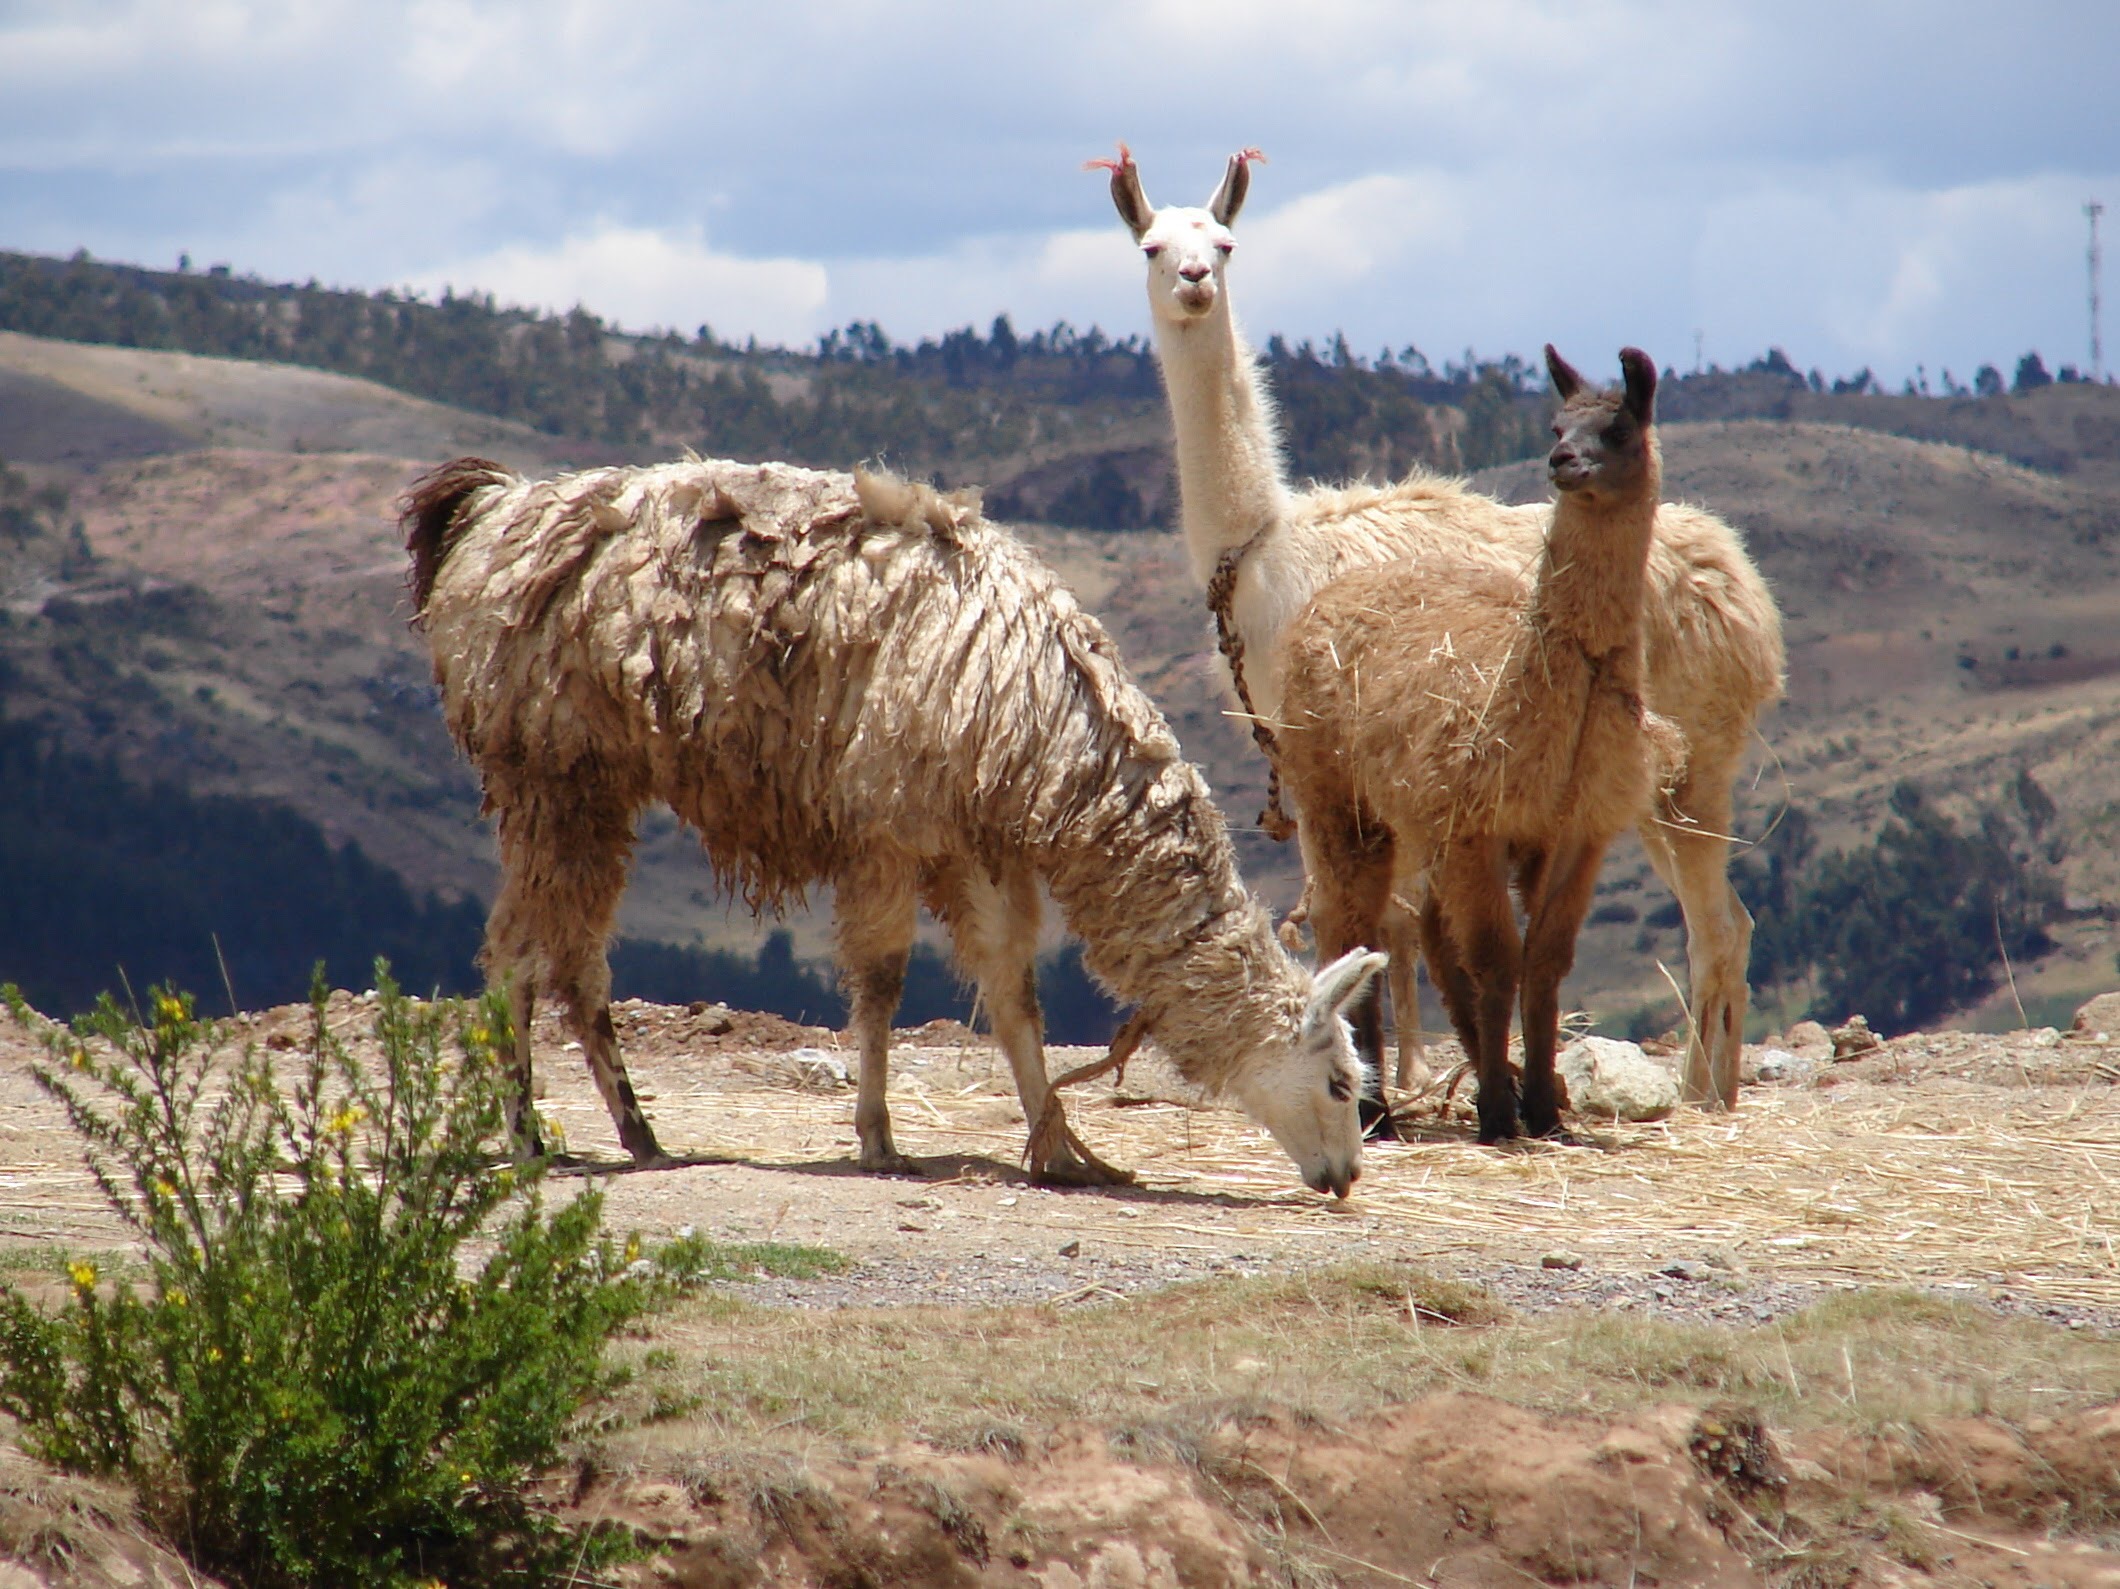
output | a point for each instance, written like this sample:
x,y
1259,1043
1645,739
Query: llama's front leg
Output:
x,y
1349,864
993,923
875,931
1688,845
1556,912
1471,889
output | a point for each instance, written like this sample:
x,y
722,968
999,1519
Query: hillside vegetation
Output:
x,y
200,583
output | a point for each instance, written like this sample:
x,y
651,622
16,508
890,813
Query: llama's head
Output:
x,y
1605,440
1305,1094
1186,248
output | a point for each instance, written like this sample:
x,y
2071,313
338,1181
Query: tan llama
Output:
x,y
1442,720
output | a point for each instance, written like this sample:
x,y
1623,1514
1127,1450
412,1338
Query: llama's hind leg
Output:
x,y
1688,845
876,913
1556,909
565,867
1402,927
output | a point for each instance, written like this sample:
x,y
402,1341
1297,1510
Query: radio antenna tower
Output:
x,y
2094,209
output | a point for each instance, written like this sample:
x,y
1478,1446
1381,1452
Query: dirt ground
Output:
x,y
1976,1168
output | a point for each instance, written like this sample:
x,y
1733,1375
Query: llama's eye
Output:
x,y
1341,1089
1151,249
1225,247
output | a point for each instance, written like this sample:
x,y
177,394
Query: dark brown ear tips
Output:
x,y
1641,382
1236,183
1127,197
1566,382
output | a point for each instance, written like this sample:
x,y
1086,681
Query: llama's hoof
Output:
x,y
656,1159
1378,1122
1067,1170
1495,1133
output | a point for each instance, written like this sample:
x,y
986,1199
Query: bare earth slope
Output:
x,y
1684,1354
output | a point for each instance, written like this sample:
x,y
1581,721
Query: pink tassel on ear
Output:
x,y
1123,163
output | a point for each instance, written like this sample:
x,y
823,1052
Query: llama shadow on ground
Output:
x,y
566,1166
1428,1130
947,1169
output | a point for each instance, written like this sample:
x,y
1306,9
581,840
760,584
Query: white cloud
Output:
x,y
1856,270
1868,184
643,278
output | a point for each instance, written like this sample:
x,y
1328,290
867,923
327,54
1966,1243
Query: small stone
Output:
x,y
815,1068
1853,1039
1780,1068
2098,1018
1809,1039
1072,1250
1686,1269
1560,1260
1611,1080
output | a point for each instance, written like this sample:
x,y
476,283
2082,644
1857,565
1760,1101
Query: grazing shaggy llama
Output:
x,y
857,682
1439,719
1714,649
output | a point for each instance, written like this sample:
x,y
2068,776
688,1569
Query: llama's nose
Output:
x,y
1193,272
1333,1178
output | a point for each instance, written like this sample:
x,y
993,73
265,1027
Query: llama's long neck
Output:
x,y
1148,881
1593,576
1230,481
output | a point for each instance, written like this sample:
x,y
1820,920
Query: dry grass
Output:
x,y
1327,1345
1968,1188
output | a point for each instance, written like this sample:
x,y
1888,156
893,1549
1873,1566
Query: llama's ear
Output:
x,y
1337,984
1236,183
1641,383
1127,197
1566,383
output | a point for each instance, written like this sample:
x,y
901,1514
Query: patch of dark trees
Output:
x,y
1927,918
112,884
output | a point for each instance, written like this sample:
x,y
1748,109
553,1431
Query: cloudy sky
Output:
x,y
1890,183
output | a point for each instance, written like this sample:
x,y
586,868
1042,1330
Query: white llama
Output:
x,y
1713,635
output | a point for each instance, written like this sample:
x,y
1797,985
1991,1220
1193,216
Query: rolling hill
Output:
x,y
230,618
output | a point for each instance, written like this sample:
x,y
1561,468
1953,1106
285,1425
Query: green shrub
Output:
x,y
356,1342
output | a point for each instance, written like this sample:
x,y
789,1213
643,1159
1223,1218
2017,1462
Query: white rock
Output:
x,y
1780,1068
1611,1080
815,1067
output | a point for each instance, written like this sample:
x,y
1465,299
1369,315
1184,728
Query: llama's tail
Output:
x,y
430,517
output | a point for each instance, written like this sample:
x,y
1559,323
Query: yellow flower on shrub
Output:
x,y
83,1274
